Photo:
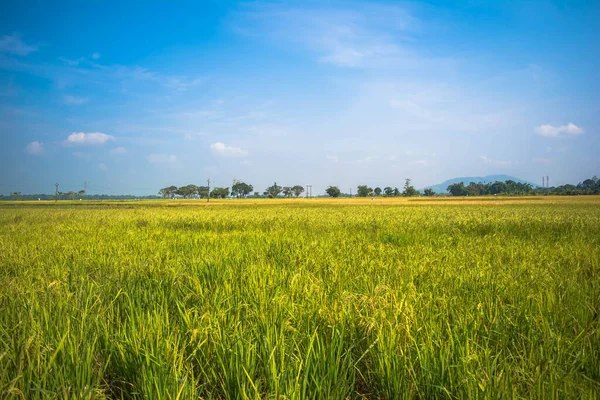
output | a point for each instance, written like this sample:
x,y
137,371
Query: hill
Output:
x,y
441,187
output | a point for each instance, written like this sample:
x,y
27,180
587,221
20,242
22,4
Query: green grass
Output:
x,y
301,300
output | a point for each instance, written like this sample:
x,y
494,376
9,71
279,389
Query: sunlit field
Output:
x,y
301,299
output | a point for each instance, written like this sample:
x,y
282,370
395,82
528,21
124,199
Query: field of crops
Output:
x,y
472,298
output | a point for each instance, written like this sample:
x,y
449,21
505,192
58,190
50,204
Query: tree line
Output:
x,y
511,188
240,189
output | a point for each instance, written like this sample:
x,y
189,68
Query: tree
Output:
x,y
81,193
364,191
273,191
202,191
16,195
333,191
287,191
429,192
168,192
396,191
256,194
457,189
241,189
409,190
388,191
187,191
219,193
377,191
298,190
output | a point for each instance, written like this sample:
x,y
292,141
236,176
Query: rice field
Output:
x,y
301,299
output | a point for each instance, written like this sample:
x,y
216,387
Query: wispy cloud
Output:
x,y
102,167
92,138
162,158
559,131
82,156
96,56
221,149
14,45
118,150
357,36
498,163
74,100
35,148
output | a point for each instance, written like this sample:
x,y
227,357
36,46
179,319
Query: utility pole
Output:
x,y
543,185
307,191
547,181
56,193
350,192
208,197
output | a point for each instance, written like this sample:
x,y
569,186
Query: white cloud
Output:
x,y
119,150
82,156
13,44
96,56
542,161
76,100
223,150
35,148
71,63
559,131
162,158
422,163
102,167
92,138
332,158
358,36
498,163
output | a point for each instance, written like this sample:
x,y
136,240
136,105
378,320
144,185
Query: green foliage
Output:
x,y
409,190
297,190
429,192
301,301
219,193
273,191
364,191
333,191
241,189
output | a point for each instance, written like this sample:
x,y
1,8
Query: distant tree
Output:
x,y
241,189
15,195
298,190
187,191
429,192
409,190
363,191
70,194
388,191
287,191
457,189
397,192
168,192
256,194
377,191
333,191
202,191
273,191
219,193
81,193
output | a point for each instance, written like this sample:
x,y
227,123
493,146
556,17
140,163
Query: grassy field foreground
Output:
x,y
301,299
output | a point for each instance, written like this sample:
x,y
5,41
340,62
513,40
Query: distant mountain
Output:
x,y
441,188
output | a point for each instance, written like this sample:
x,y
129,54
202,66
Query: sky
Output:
x,y
128,97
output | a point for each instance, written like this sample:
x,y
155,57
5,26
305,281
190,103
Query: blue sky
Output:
x,y
135,96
